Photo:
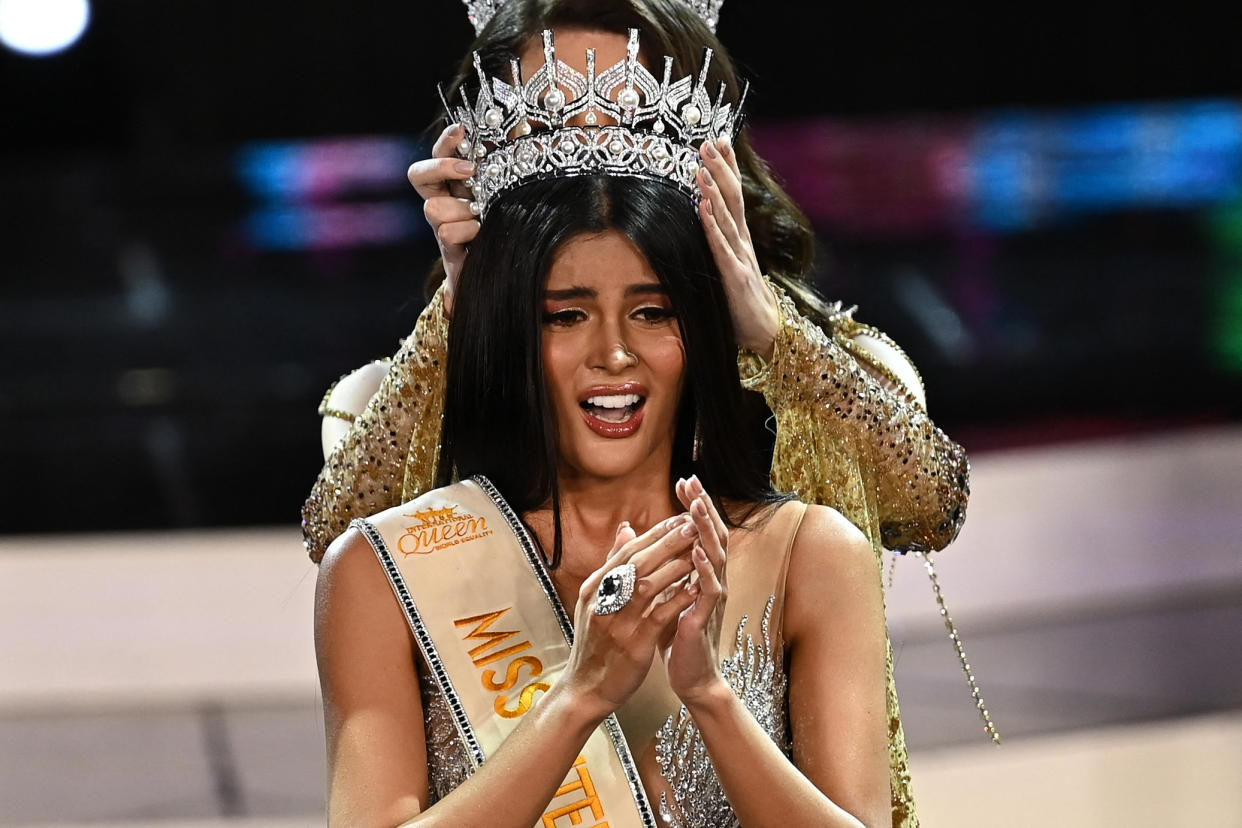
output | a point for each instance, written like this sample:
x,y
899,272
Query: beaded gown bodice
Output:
x,y
672,759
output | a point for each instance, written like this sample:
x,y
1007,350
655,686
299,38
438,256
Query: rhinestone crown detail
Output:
x,y
518,132
480,12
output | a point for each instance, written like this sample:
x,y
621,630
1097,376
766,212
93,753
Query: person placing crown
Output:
x,y
609,617
884,464
851,429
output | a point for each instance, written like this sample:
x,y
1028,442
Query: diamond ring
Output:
x,y
616,589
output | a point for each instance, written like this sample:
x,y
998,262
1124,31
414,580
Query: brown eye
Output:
x,y
654,313
563,318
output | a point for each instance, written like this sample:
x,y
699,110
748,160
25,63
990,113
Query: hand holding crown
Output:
x,y
550,126
448,205
752,304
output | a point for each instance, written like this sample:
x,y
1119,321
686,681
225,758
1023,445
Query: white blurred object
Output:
x,y
42,27
346,400
892,358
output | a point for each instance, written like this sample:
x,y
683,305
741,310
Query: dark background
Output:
x,y
162,354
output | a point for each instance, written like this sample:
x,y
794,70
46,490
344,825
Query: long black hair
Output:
x,y
498,419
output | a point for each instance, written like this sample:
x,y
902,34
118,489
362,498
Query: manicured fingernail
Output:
x,y
699,508
464,167
689,530
724,146
696,484
709,149
706,175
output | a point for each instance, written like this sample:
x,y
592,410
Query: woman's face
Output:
x,y
613,358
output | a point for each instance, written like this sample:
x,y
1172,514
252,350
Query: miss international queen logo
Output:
x,y
441,528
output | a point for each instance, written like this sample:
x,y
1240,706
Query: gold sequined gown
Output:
x,y
843,440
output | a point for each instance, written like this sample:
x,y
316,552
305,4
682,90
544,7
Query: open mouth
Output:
x,y
613,408
614,412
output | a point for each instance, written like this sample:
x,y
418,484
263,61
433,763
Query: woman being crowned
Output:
x,y
604,616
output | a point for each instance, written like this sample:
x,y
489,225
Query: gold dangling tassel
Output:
x,y
977,696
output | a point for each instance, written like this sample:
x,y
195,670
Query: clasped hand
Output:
x,y
675,610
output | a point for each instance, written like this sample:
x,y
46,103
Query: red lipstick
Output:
x,y
634,396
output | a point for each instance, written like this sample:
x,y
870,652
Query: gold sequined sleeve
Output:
x,y
390,453
846,441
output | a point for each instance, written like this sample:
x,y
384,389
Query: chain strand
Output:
x,y
975,695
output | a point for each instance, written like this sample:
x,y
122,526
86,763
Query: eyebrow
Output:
x,y
578,292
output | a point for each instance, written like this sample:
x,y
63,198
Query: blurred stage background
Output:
x,y
204,220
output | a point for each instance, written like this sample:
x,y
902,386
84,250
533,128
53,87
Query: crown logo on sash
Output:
x,y
430,517
480,12
518,132
440,529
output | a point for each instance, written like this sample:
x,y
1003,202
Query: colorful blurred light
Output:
x,y
325,169
336,193
1009,171
333,226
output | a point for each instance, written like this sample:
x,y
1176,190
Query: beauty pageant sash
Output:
x,y
494,635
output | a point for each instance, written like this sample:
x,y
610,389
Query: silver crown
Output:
x,y
480,12
709,10
518,132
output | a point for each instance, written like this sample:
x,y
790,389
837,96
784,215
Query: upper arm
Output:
x,y
834,626
373,717
345,401
893,361
391,451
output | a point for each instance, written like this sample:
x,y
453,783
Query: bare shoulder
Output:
x,y
834,624
349,570
352,593
826,540
350,560
373,714
832,568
